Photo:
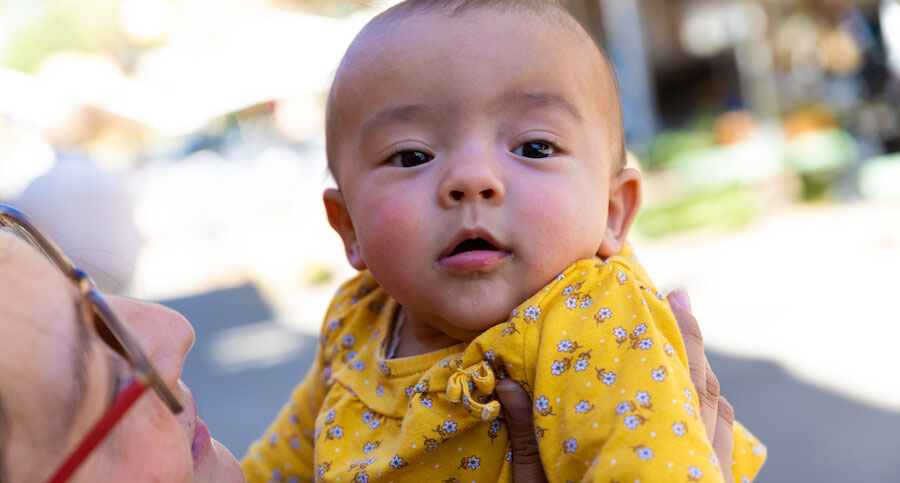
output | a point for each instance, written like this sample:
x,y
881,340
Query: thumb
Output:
x,y
516,404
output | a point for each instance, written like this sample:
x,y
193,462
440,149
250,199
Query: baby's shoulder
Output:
x,y
358,311
593,303
617,280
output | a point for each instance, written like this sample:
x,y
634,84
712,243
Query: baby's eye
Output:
x,y
408,159
535,149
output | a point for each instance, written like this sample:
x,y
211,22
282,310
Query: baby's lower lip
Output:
x,y
474,261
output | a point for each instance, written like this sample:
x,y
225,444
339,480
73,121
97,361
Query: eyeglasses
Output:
x,y
109,328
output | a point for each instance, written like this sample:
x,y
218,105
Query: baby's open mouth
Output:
x,y
478,252
473,244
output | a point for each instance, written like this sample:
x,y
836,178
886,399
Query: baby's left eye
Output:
x,y
535,149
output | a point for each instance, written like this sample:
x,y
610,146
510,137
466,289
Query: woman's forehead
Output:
x,y
37,304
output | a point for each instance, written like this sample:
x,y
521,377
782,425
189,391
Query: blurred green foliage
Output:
x,y
59,25
327,8
820,158
668,145
722,209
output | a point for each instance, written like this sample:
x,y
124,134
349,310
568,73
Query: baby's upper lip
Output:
x,y
472,233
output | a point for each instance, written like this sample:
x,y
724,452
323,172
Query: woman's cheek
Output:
x,y
157,453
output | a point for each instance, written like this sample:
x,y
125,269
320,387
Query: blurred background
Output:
x,y
175,149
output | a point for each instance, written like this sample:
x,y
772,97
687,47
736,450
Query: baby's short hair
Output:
x,y
546,9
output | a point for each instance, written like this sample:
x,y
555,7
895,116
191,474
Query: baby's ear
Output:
x,y
624,201
339,218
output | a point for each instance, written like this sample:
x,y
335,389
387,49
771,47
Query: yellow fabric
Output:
x,y
598,350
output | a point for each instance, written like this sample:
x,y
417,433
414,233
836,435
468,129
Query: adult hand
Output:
x,y
516,406
716,413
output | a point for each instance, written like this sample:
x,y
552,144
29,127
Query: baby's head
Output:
x,y
478,151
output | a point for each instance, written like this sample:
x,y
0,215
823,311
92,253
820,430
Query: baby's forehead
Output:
x,y
551,25
389,43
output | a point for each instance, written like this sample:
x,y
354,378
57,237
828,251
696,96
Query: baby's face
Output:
x,y
474,155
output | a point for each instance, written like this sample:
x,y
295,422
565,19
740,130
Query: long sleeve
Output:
x,y
748,455
285,451
613,399
287,448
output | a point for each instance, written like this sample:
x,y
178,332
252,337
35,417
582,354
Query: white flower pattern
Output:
x,y
557,368
581,364
658,374
625,398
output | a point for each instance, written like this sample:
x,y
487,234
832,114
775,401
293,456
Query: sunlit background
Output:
x,y
175,148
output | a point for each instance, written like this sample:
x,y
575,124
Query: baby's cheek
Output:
x,y
392,229
563,227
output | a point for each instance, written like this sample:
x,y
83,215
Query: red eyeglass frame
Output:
x,y
109,328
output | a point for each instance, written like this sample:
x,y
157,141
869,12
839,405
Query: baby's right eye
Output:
x,y
409,159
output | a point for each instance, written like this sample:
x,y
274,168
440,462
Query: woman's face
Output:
x,y
57,378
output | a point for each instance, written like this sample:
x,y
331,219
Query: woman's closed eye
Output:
x,y
120,373
535,149
409,158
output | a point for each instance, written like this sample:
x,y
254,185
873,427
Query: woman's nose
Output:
x,y
471,180
164,335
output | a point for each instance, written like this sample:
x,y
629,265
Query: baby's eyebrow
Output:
x,y
404,113
537,100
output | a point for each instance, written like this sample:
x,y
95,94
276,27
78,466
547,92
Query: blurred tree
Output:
x,y
328,8
59,25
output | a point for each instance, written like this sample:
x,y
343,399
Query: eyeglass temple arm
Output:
x,y
124,401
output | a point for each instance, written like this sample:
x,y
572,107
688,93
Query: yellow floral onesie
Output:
x,y
598,350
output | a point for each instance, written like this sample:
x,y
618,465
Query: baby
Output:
x,y
479,155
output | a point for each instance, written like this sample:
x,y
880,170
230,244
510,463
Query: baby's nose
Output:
x,y
459,195
471,182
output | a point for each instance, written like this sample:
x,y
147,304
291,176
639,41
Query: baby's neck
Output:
x,y
416,340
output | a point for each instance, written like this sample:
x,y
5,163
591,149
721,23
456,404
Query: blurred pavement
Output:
x,y
238,400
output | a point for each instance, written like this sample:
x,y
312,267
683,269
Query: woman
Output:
x,y
66,364
58,377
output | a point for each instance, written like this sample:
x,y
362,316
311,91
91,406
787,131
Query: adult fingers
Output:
x,y
723,441
326,375
693,341
709,402
516,405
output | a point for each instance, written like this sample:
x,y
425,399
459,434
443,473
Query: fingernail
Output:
x,y
510,387
504,388
682,298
